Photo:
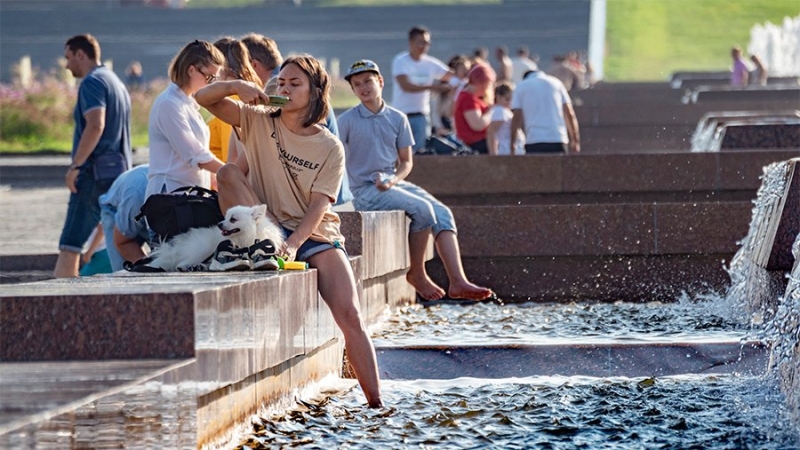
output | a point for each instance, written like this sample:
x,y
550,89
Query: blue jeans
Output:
x,y
310,248
425,210
83,211
420,129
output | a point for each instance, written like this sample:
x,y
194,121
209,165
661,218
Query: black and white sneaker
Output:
x,y
262,254
227,258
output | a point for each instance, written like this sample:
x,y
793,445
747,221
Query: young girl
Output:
x,y
498,135
295,165
178,135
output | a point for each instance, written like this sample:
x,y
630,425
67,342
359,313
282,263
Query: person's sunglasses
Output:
x,y
210,78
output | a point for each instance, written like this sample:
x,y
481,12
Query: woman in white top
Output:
x,y
178,134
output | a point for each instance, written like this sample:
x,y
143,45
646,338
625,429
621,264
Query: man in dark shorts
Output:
x,y
101,148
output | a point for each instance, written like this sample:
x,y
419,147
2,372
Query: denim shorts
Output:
x,y
424,210
83,212
311,248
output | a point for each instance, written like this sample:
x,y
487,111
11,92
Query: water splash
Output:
x,y
752,286
775,314
784,332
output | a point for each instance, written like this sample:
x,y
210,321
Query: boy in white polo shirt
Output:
x,y
378,141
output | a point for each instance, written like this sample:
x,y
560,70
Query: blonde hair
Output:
x,y
197,53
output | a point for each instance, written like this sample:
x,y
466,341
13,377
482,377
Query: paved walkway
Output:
x,y
33,202
31,219
32,213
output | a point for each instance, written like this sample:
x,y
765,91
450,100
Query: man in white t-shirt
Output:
x,y
521,64
416,74
543,110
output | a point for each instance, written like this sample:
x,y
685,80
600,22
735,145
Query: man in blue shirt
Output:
x,y
101,147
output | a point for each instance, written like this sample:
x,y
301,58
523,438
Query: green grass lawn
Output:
x,y
649,39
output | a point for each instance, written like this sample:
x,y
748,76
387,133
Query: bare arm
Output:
x,y
95,124
492,143
405,162
129,248
516,124
436,86
476,120
214,98
96,239
316,210
572,128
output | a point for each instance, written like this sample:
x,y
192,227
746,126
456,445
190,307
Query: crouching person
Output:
x,y
125,236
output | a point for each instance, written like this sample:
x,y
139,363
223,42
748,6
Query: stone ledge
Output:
x,y
640,278
652,359
238,340
601,229
628,174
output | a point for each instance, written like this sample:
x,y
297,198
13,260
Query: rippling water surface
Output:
x,y
482,323
703,412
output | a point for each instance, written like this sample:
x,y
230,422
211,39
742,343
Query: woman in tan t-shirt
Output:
x,y
295,166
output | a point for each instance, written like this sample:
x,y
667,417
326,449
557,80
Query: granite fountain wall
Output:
x,y
174,361
598,227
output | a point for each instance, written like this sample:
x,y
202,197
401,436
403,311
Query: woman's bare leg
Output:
x,y
234,189
337,286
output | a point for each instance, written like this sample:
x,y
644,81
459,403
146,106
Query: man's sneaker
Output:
x,y
263,255
228,258
142,266
202,267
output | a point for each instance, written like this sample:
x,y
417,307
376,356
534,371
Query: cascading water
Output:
x,y
774,311
783,330
752,286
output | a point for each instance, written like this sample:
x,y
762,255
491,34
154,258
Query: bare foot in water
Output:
x,y
469,291
425,287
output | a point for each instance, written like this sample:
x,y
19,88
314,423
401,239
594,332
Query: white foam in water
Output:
x,y
776,316
750,284
783,330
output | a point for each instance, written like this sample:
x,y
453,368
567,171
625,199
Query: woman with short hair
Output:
x,y
178,134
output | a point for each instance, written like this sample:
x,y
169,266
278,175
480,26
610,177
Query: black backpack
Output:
x,y
187,207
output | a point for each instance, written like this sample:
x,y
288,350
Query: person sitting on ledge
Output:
x,y
378,142
295,166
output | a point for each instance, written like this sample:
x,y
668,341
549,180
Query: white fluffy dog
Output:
x,y
243,225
